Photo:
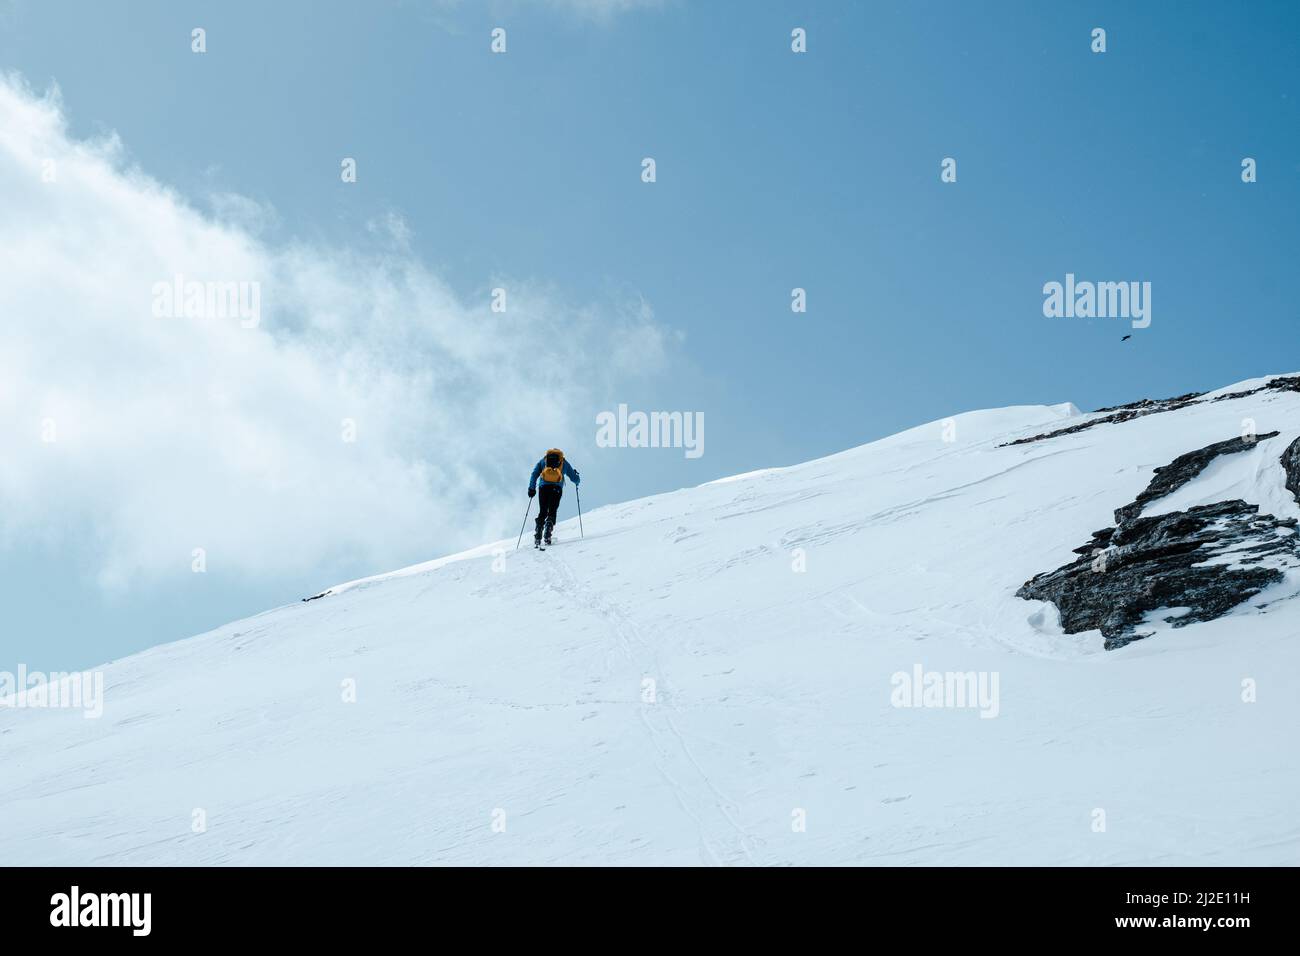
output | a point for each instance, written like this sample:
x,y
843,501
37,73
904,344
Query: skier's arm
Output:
x,y
537,470
571,472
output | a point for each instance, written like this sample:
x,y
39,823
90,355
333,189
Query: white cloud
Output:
x,y
605,8
176,433
248,214
600,10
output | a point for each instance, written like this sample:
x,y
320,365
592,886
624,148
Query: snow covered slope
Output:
x,y
711,676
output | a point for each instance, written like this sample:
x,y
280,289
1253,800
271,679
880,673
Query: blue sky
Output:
x,y
774,171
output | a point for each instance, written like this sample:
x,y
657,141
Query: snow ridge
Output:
x,y
712,676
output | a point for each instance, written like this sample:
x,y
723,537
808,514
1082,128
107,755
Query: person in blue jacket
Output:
x,y
550,471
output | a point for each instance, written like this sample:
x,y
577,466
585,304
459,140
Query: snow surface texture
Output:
x,y
672,690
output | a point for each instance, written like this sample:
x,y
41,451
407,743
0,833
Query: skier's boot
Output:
x,y
537,539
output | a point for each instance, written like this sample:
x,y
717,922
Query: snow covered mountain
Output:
x,y
826,663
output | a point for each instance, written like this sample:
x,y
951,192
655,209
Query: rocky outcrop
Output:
x,y
1118,413
1199,563
1152,406
1168,561
1181,470
1291,465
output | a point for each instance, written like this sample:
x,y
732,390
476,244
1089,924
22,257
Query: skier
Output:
x,y
551,469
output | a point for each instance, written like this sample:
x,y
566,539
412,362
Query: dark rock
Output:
x,y
1159,562
1181,470
1144,564
1100,541
1291,465
1290,384
1152,406
1121,413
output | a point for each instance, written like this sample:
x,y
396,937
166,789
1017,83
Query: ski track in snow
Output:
x,y
520,690
670,752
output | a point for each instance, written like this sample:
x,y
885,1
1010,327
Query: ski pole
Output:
x,y
579,494
521,527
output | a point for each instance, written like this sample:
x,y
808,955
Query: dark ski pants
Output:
x,y
548,502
